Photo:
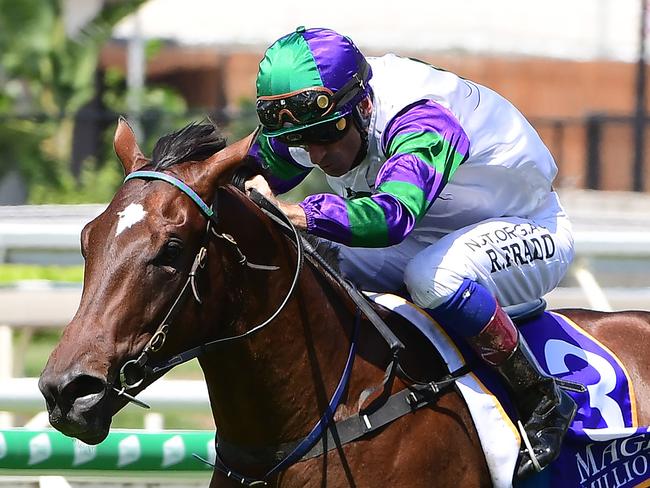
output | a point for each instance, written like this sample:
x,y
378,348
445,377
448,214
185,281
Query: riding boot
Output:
x,y
546,409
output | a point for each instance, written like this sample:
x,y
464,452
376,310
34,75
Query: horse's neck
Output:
x,y
274,386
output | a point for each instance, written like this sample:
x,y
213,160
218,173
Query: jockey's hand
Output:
x,y
292,210
260,184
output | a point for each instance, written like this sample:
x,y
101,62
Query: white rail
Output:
x,y
605,224
164,396
41,232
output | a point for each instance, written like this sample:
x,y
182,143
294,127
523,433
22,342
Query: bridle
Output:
x,y
134,372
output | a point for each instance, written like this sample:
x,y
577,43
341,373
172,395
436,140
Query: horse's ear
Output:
x,y
126,147
222,164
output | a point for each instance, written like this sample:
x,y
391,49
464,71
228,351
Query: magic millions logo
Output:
x,y
623,462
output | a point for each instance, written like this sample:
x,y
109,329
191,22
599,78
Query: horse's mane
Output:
x,y
196,141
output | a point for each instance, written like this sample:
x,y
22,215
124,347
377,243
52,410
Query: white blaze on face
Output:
x,y
131,215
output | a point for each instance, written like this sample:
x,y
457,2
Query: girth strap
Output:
x,y
404,402
409,400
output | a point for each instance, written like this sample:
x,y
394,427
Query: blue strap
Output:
x,y
156,175
318,430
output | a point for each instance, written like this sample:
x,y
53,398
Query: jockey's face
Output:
x,y
337,158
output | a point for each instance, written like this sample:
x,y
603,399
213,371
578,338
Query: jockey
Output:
x,y
440,184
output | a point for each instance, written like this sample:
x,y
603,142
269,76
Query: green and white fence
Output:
x,y
24,451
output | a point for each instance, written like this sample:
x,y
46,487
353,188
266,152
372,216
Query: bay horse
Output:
x,y
166,274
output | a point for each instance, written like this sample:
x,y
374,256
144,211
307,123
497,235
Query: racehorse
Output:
x,y
182,264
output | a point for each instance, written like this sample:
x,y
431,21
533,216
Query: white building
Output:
x,y
570,29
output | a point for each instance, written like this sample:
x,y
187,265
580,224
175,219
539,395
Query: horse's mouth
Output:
x,y
82,404
88,418
89,427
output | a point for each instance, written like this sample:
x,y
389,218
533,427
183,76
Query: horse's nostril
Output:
x,y
48,389
50,403
82,386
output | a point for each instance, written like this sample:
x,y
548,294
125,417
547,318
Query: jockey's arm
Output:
x,y
424,146
275,162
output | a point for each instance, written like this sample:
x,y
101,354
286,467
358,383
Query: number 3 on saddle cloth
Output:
x,y
604,447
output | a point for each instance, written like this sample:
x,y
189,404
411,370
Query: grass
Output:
x,y
10,273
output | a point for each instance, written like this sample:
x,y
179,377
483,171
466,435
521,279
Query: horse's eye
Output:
x,y
170,252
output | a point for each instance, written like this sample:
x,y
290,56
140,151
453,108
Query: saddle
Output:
x,y
595,450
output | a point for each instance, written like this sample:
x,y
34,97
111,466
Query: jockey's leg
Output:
x,y
462,279
378,269
546,410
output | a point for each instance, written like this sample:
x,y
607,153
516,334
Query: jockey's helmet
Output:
x,y
308,83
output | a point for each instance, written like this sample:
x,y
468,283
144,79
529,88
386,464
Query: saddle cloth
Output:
x,y
604,448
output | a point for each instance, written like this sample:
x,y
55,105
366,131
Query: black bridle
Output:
x,y
134,372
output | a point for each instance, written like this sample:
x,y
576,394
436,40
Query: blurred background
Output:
x,y
69,68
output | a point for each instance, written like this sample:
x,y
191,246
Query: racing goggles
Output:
x,y
296,108
308,105
321,134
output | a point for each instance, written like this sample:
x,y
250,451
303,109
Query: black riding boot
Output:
x,y
544,408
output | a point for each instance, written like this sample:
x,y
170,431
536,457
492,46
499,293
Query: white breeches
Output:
x,y
518,259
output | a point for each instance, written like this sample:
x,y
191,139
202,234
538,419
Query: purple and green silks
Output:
x,y
284,173
424,144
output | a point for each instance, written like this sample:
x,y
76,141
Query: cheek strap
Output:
x,y
361,123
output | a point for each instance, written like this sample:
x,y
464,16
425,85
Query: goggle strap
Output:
x,y
347,91
296,92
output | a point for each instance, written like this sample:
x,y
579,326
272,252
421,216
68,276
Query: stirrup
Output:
x,y
529,448
557,423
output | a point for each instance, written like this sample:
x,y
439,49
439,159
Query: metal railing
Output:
x,y
187,396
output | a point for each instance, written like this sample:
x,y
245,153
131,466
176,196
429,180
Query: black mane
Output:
x,y
196,141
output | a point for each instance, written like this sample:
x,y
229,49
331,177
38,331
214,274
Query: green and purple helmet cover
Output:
x,y
309,58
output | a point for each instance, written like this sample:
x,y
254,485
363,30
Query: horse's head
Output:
x,y
139,254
